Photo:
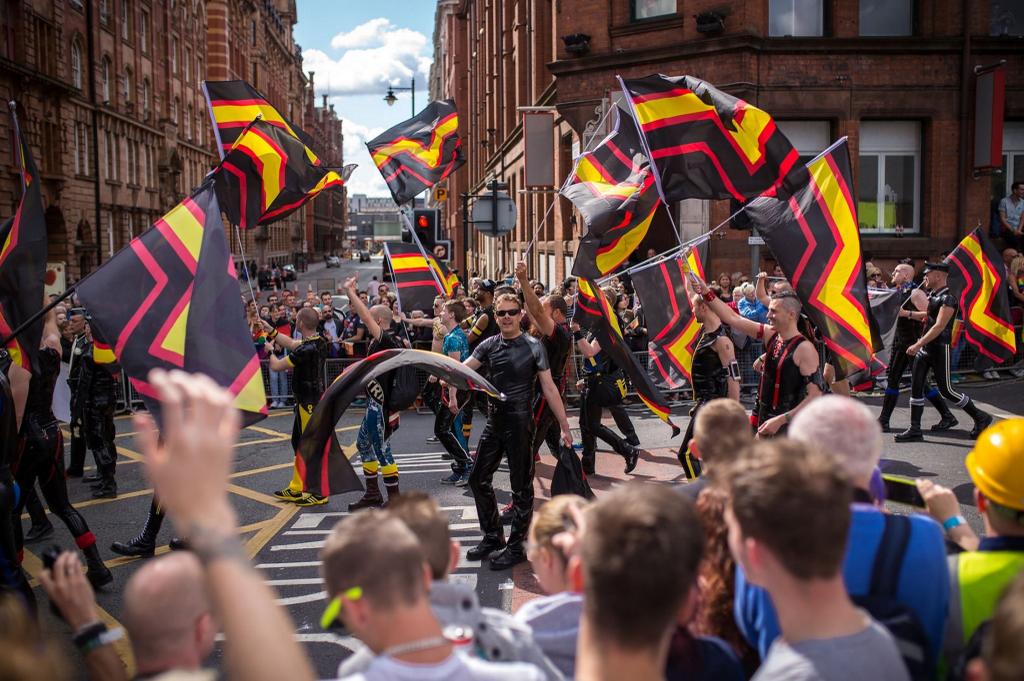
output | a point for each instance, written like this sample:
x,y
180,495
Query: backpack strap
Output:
x,y
885,574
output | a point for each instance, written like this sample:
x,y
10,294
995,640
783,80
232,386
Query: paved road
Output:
x,y
284,540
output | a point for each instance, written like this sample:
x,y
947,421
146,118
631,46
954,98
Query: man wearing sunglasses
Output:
x,y
516,362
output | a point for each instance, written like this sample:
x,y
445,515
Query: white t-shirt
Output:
x,y
455,668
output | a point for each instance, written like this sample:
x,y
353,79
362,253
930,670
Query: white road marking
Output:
x,y
305,598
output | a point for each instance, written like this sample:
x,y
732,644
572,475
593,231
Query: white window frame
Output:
x,y
777,6
174,55
144,31
892,138
105,79
76,64
809,138
1013,148
126,18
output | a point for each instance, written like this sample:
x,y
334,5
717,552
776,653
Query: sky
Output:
x,y
356,49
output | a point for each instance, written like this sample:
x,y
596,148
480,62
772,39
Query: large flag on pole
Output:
x,y
268,174
181,309
420,152
814,237
613,188
415,283
595,313
671,327
234,104
706,144
977,278
23,262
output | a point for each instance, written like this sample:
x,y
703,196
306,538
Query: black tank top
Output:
x,y
936,301
782,384
557,347
39,403
908,330
308,373
710,378
492,323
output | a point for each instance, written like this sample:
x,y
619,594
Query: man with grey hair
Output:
x,y
843,427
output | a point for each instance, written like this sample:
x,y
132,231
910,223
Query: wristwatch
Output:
x,y
955,521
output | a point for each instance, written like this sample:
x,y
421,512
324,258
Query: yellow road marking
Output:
x,y
263,469
160,550
267,532
265,431
254,495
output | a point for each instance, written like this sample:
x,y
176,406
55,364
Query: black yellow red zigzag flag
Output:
x,y
815,238
672,329
267,175
594,312
181,310
415,282
706,144
235,104
420,152
613,188
977,281
23,263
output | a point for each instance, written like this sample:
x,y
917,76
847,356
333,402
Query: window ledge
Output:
x,y
647,25
113,183
81,176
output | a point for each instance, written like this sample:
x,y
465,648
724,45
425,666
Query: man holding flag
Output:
x,y
931,353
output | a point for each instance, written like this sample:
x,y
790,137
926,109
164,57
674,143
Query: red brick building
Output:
x,y
109,98
896,76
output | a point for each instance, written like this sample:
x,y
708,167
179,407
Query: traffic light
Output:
x,y
425,221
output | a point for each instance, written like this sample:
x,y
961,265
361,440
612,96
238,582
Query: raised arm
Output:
x,y
728,316
538,314
372,327
760,290
283,340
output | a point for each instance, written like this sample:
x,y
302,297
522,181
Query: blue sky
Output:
x,y
356,50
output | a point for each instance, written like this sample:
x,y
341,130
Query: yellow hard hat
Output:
x,y
996,464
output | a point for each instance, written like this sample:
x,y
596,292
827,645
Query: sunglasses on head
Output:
x,y
330,617
506,313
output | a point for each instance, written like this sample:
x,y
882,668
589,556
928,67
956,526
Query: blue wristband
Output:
x,y
955,521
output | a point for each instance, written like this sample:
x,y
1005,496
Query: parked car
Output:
x,y
288,273
332,261
364,256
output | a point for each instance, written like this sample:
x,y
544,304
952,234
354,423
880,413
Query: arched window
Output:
x,y
76,64
105,79
145,94
174,112
129,86
188,123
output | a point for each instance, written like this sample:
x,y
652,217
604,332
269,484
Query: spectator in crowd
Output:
x,y
353,330
1011,216
279,392
1015,284
737,296
750,307
1002,656
788,516
721,431
724,282
496,636
27,652
980,573
637,568
847,430
555,617
377,579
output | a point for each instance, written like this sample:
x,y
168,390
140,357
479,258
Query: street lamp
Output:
x,y
391,99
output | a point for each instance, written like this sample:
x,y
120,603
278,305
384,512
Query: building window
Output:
x,y
105,80
199,70
188,65
886,17
809,138
76,64
104,12
1013,160
81,149
253,32
1007,18
145,96
188,124
889,182
108,155
649,9
129,86
174,110
144,31
174,55
795,18
126,20
132,171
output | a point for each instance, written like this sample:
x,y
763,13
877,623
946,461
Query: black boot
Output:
x,y
589,460
913,433
96,572
391,487
511,556
41,525
489,545
982,420
632,457
145,543
948,420
107,489
371,498
888,405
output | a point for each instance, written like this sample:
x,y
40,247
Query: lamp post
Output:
x,y
391,99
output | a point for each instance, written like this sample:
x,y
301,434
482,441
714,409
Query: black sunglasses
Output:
x,y
507,313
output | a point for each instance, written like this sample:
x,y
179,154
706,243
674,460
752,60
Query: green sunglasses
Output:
x,y
333,608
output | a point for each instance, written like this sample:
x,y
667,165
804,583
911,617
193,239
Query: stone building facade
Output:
x,y
895,76
109,96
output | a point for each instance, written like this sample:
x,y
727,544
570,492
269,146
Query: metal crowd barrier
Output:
x,y
964,359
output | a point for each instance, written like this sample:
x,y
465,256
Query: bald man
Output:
x,y
374,432
167,615
909,328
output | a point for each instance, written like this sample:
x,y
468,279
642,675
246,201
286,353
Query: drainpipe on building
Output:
x,y
965,91
90,47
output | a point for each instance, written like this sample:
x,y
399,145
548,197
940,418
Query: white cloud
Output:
x,y
366,179
375,54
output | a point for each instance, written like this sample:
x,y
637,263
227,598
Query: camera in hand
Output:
x,y
49,556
